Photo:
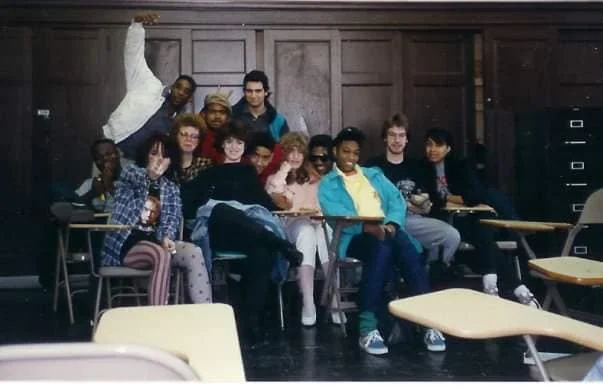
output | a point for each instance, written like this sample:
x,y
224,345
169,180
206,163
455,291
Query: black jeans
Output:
x,y
231,229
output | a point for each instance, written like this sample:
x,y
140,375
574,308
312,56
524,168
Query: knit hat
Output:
x,y
217,98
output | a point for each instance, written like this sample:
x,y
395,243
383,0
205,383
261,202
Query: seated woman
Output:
x,y
227,209
147,199
293,185
448,179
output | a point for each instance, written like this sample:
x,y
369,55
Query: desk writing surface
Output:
x,y
99,227
351,219
466,313
575,270
518,225
452,207
203,334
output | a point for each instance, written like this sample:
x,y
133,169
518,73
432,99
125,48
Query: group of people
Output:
x,y
192,184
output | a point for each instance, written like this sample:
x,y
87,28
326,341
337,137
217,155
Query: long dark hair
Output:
x,y
169,150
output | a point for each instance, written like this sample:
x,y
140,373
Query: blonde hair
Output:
x,y
296,140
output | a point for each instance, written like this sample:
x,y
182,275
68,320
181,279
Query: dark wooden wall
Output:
x,y
330,65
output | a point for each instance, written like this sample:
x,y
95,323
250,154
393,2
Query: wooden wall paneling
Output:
x,y
518,68
16,117
371,82
579,65
168,52
438,86
74,85
304,70
518,77
221,58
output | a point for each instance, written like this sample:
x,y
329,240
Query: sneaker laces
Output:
x,y
434,336
374,335
492,291
529,300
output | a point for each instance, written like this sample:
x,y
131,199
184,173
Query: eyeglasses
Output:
x,y
322,158
189,136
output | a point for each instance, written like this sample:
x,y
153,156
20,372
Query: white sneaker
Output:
x,y
308,316
373,343
339,318
434,340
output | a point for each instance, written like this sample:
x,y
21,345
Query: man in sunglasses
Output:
x,y
319,154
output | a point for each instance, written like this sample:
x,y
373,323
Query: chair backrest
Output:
x,y
91,362
592,213
593,209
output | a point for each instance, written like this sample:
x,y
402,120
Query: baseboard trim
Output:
x,y
19,282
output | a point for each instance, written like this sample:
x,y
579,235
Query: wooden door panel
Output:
x,y
304,70
221,58
437,71
371,83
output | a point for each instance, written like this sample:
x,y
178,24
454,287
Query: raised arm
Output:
x,y
138,73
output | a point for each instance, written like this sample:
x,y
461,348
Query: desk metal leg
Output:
x,y
526,246
63,244
327,289
536,356
57,271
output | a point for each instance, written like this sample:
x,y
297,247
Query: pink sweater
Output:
x,y
304,196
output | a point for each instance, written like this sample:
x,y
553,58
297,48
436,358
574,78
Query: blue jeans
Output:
x,y
379,258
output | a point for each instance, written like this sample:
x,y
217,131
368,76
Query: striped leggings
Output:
x,y
148,255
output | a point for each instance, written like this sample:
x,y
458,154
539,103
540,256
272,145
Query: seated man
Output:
x,y
350,190
260,152
402,172
216,113
97,192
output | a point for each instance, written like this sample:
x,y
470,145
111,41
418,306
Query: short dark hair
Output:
x,y
234,129
190,80
320,140
398,120
99,142
260,139
440,136
350,133
256,76
170,150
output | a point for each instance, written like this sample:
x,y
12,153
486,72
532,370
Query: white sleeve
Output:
x,y
138,74
84,188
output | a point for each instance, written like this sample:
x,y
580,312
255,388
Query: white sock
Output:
x,y
489,280
521,290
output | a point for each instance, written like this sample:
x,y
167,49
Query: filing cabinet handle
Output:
x,y
577,165
577,207
576,123
573,184
574,142
580,250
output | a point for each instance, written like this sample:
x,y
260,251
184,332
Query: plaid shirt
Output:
x,y
131,191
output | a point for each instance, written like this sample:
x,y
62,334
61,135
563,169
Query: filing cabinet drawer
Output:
x,y
567,204
577,167
589,243
577,128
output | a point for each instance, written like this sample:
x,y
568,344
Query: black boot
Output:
x,y
255,337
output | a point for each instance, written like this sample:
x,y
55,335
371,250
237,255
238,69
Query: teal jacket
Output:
x,y
335,201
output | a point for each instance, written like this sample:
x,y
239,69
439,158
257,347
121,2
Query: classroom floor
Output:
x,y
320,353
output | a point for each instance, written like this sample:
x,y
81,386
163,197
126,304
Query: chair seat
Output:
x,y
228,255
122,271
571,368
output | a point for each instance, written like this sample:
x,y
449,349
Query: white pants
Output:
x,y
309,238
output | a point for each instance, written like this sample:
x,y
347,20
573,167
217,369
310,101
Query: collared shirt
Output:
x,y
366,199
257,124
131,191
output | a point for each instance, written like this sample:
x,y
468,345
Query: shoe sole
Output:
x,y
436,348
374,352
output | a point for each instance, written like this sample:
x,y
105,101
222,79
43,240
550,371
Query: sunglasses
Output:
x,y
322,158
